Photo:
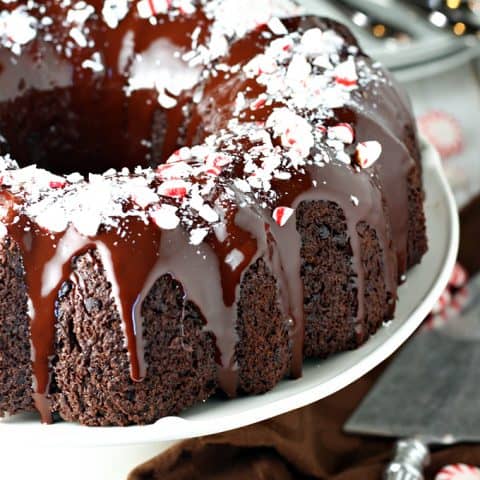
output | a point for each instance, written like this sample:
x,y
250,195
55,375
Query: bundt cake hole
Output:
x,y
49,131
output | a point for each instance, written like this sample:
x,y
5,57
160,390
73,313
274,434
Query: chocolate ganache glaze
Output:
x,y
100,104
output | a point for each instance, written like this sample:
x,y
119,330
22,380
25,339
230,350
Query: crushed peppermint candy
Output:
x,y
152,8
234,259
343,132
301,77
294,131
367,153
17,28
114,11
197,235
346,73
281,215
166,217
174,188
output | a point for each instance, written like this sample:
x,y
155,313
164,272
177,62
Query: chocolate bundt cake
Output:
x,y
195,196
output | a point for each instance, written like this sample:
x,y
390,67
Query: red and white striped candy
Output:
x,y
346,73
281,215
458,471
173,171
179,155
149,8
343,132
221,160
440,317
294,131
444,131
174,188
259,102
368,153
459,276
215,163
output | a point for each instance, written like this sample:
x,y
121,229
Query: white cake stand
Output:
x,y
49,452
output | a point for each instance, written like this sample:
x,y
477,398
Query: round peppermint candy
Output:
x,y
443,131
458,471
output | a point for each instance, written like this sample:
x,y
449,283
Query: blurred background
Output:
x,y
433,48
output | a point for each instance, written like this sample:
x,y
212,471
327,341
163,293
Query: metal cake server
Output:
x,y
429,395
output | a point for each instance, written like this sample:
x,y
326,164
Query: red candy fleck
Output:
x,y
57,184
173,171
347,82
259,102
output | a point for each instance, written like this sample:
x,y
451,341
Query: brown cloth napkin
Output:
x,y
307,443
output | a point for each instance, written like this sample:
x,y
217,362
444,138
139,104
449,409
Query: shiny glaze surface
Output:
x,y
113,125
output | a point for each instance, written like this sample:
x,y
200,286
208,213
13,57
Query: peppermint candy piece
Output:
x,y
174,188
215,163
294,131
150,8
343,132
459,276
144,196
234,259
281,215
312,42
179,155
18,27
259,102
165,217
197,235
259,65
346,73
458,471
453,305
367,153
277,27
174,170
57,184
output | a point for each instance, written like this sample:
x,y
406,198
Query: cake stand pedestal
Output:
x,y
75,463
